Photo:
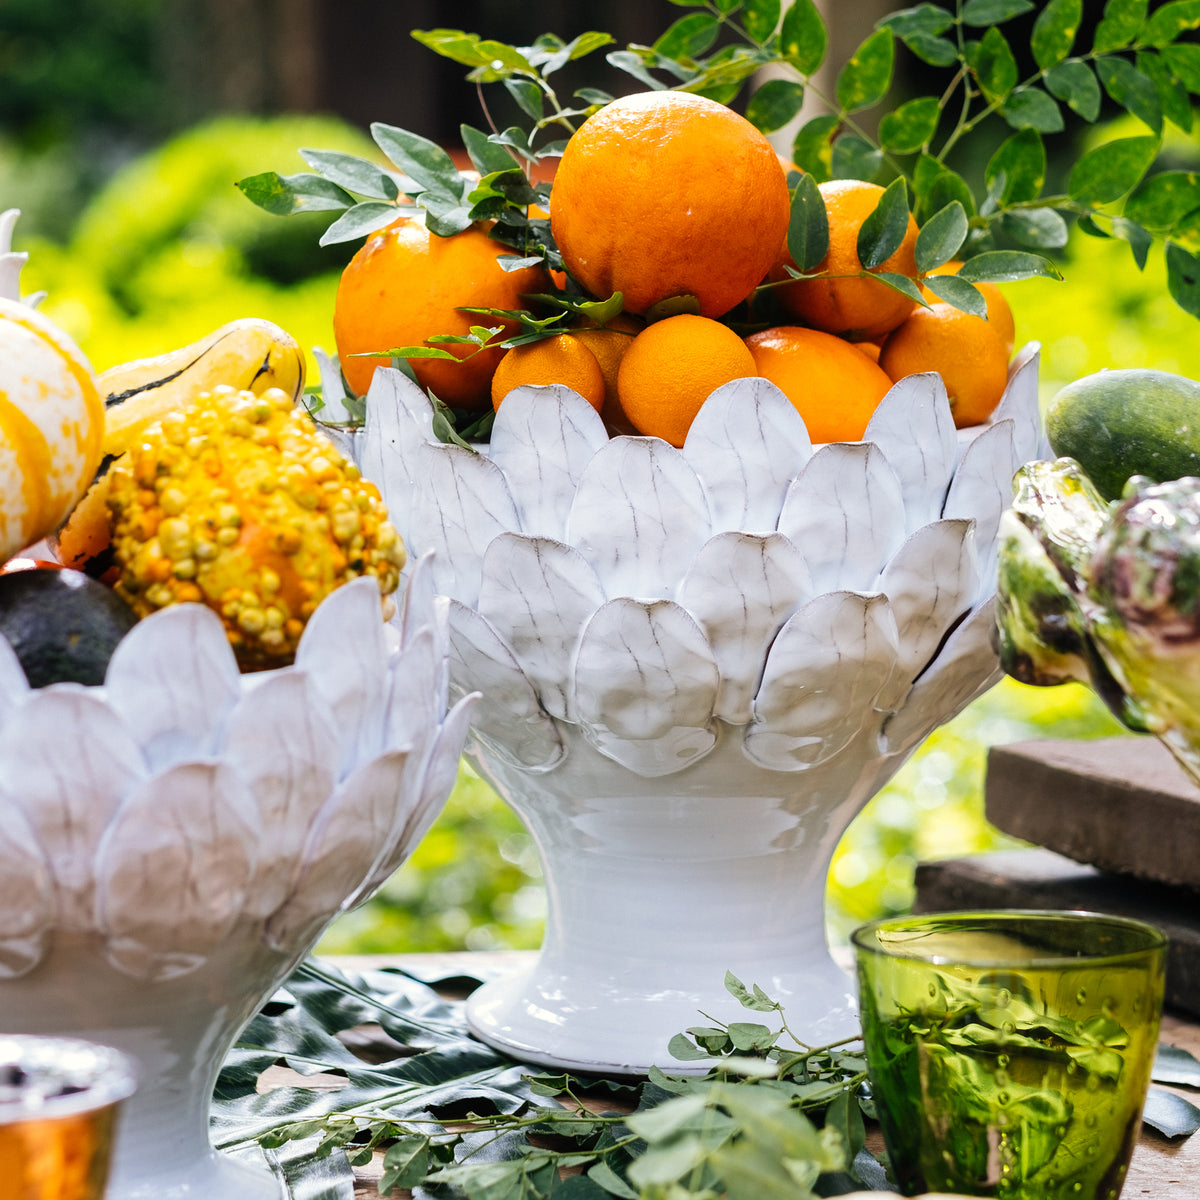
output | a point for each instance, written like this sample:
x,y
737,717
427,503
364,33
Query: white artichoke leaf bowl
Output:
x,y
696,667
173,842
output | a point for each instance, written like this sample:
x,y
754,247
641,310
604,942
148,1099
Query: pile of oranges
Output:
x,y
682,206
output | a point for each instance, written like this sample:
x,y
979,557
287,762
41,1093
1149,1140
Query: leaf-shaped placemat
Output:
x,y
1175,1065
1171,1115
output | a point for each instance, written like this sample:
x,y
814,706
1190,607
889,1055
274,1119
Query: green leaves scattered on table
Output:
x,y
770,1118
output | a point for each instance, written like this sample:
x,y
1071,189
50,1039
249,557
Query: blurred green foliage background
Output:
x,y
144,245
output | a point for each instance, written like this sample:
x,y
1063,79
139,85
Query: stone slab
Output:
x,y
1039,878
1122,804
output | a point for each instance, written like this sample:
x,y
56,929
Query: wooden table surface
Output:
x,y
1161,1169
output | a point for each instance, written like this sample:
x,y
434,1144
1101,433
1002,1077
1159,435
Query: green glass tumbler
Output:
x,y
1010,1052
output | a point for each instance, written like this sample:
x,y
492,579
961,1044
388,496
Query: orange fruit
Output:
x,y
562,359
609,345
405,285
664,194
999,314
834,386
841,301
672,368
965,350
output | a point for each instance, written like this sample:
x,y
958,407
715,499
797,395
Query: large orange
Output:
x,y
561,359
406,284
672,367
664,194
966,351
841,300
834,386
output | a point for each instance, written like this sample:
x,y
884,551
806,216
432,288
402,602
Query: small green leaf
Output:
x,y
1184,63
746,1035
406,1163
1139,239
994,65
1172,94
633,63
958,292
1169,21
1109,171
1119,25
936,186
1131,89
578,47
812,148
422,160
689,37
356,174
866,77
926,20
937,51
941,237
993,12
1183,278
681,1047
880,235
444,215
528,96
1006,266
1021,159
494,58
610,1181
1076,86
364,218
485,154
1031,108
1054,32
282,195
775,104
1039,228
802,38
757,999
900,283
855,158
911,126
808,228
760,18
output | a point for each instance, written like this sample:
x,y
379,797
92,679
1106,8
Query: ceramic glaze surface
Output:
x,y
696,666
173,842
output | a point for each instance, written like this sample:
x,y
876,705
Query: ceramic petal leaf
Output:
x,y
537,594
26,894
914,428
14,687
982,489
931,582
398,426
966,666
174,680
1020,404
344,649
747,444
283,740
347,839
542,440
845,514
418,605
823,675
464,502
640,516
423,796
509,718
742,588
646,685
417,692
75,761
174,869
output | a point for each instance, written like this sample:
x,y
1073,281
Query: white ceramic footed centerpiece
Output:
x,y
172,844
697,666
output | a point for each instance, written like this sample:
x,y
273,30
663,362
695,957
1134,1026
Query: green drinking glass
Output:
x,y
1010,1052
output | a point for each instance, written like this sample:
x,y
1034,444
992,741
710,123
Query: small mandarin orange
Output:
x,y
999,314
672,367
405,285
965,350
563,359
834,386
609,345
841,301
